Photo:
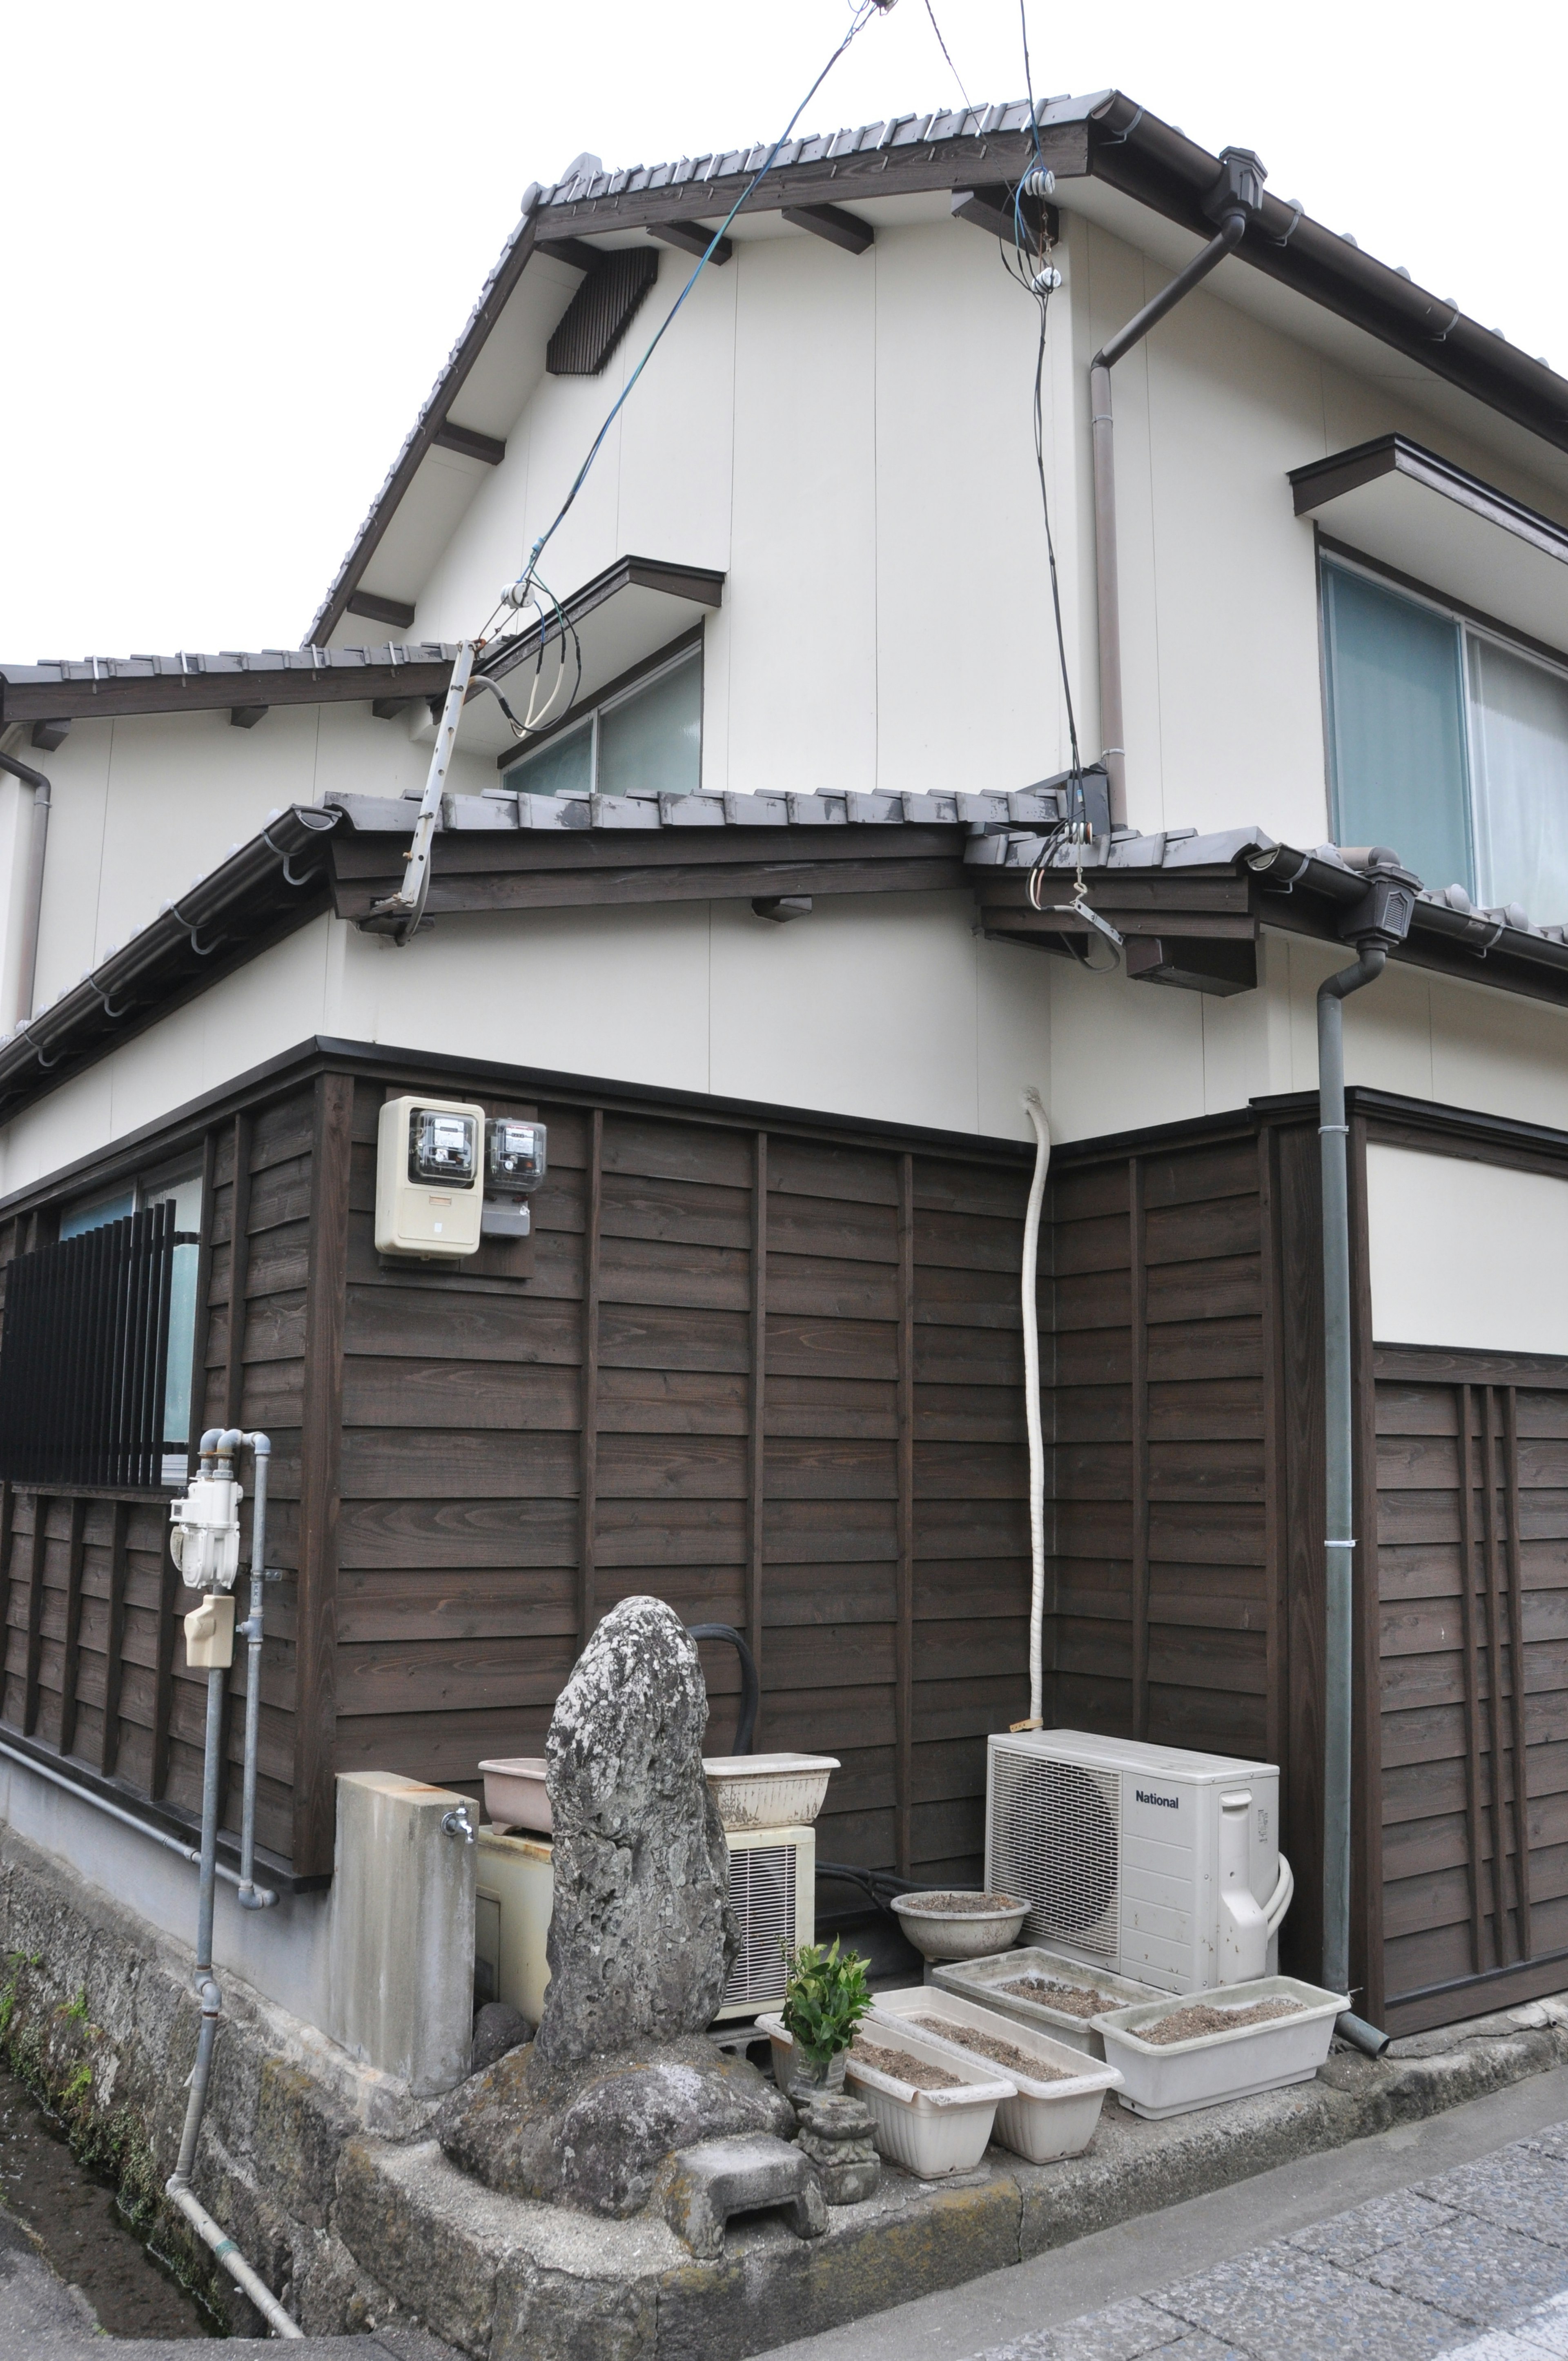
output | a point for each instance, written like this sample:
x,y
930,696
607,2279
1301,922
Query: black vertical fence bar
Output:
x,y
84,1356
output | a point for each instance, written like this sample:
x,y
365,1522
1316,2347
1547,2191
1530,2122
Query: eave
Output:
x,y
100,688
1105,136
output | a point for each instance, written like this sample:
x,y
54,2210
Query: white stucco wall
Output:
x,y
1466,1255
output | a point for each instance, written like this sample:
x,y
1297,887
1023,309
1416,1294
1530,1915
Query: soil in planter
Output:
x,y
918,2072
959,1905
1185,2024
1005,2053
77,2220
1068,2000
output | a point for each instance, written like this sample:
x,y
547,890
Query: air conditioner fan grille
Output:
x,y
1054,1839
762,1894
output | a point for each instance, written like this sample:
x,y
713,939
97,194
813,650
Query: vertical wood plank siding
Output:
x,y
1472,1634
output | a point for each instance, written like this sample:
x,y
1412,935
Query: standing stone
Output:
x,y
642,1936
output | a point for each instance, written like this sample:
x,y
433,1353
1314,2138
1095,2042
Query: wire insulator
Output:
x,y
1046,281
1039,182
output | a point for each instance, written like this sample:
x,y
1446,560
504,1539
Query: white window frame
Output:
x,y
1490,634
512,776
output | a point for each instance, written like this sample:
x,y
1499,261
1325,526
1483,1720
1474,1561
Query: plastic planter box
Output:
x,y
1213,2066
769,1791
931,2133
1044,2120
979,1979
515,1792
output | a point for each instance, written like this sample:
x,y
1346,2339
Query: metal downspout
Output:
x,y
1108,611
1376,923
32,906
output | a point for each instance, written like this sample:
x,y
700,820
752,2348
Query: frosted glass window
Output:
x,y
1519,724
648,741
565,762
652,740
1397,727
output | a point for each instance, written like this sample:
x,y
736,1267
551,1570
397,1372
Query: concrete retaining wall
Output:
x,y
324,2171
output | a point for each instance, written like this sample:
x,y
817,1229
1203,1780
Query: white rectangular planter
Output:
x,y
515,1792
1176,2077
769,1791
980,1981
1045,2120
932,2132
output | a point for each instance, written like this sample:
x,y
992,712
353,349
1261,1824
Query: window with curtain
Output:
x,y
647,740
1448,744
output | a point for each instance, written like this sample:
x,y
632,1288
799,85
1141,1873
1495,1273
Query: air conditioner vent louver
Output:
x,y
762,1894
1055,1839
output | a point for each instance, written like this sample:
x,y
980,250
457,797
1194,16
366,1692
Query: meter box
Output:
x,y
514,1166
430,1178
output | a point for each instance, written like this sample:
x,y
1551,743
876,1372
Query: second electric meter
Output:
x,y
429,1180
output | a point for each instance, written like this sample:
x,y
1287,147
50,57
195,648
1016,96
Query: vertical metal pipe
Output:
x,y
32,904
1107,590
261,1457
1338,1538
211,1768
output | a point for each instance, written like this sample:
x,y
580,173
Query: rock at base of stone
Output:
x,y
497,2027
699,2189
593,2134
838,2138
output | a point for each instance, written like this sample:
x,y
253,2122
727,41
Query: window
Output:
x,y
1447,743
647,740
96,1350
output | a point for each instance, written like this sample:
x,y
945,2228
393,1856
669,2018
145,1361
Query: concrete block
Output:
x,y
400,1985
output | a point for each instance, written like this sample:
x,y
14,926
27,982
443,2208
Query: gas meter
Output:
x,y
204,1541
430,1187
514,1166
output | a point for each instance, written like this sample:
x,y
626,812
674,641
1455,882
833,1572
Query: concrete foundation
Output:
x,y
322,2166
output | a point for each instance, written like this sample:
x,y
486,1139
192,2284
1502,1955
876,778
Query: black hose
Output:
x,y
879,1886
751,1687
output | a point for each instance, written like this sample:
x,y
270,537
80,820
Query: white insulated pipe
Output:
x,y
1037,1114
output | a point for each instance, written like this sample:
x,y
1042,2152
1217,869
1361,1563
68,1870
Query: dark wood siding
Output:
x,y
770,1377
1472,1644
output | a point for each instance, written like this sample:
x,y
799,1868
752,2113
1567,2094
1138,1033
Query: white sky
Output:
x,y
236,243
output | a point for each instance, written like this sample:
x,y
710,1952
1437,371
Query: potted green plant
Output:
x,y
825,1998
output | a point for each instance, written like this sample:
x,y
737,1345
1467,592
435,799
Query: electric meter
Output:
x,y
514,1166
429,1180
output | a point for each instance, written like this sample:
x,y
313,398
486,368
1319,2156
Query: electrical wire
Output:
x,y
947,54
863,11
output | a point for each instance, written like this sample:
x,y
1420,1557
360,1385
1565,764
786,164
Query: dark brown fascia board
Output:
x,y
1107,135
833,223
494,298
701,585
105,687
1132,150
1394,454
263,892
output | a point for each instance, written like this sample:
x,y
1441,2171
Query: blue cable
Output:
x,y
864,12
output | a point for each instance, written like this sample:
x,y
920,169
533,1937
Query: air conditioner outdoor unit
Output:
x,y
772,1890
1156,1864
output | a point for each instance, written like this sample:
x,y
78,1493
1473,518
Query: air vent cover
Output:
x,y
1056,1834
762,1894
601,310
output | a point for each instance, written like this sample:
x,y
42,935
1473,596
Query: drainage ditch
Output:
x,y
76,2218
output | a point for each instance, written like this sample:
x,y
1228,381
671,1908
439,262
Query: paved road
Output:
x,y
1424,2240
1472,2262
